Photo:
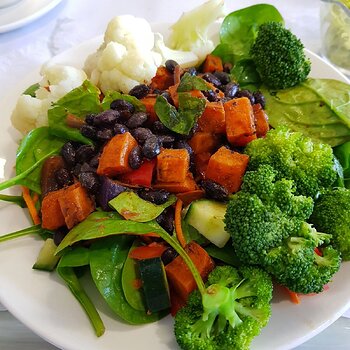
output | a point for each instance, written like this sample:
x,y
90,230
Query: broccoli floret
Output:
x,y
268,226
332,215
264,213
233,310
279,56
296,157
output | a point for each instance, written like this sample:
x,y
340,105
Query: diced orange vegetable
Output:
x,y
173,94
227,168
203,142
172,165
261,121
189,197
177,74
114,159
178,226
177,187
153,250
75,204
149,101
142,176
294,297
51,213
30,205
179,276
213,118
163,79
212,63
240,123
219,93
201,161
177,302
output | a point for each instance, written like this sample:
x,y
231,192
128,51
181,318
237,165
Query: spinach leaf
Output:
x,y
75,258
31,90
107,258
225,254
190,82
320,108
80,101
132,207
32,230
244,71
34,149
183,120
342,153
239,31
110,96
13,199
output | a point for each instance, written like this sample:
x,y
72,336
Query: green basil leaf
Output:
x,y
319,108
110,96
190,82
31,90
132,207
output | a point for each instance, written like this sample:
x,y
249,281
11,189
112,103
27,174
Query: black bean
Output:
x,y
246,93
227,67
106,118
159,128
90,181
259,98
124,115
192,71
89,131
135,157
86,168
141,134
76,170
170,65
94,161
63,177
223,77
140,91
89,119
59,234
214,191
211,78
136,120
104,134
169,255
154,196
166,140
157,91
122,105
84,153
210,95
231,90
151,147
167,96
166,219
68,153
120,129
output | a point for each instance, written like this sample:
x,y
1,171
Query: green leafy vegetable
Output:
x,y
191,82
319,108
183,120
225,254
71,259
132,207
32,230
342,153
239,30
107,258
244,71
31,90
110,96
80,101
13,199
35,147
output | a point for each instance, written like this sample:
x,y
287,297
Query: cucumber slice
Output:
x,y
154,284
47,260
207,217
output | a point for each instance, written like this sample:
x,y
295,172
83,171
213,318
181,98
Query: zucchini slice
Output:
x,y
47,260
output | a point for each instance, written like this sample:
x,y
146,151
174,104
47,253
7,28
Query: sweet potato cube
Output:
x,y
75,204
213,118
149,101
51,214
163,79
227,168
202,142
261,121
212,63
115,155
172,165
178,187
240,123
180,277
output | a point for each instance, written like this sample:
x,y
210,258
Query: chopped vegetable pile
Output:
x,y
188,189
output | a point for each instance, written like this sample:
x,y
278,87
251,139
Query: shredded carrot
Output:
x,y
31,205
178,228
294,297
35,197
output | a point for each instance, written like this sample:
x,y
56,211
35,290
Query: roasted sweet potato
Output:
x,y
174,95
240,123
163,79
213,118
149,101
179,276
178,187
51,213
172,165
212,63
261,121
114,159
202,142
227,168
201,161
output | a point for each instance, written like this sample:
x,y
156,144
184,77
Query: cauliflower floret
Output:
x,y
31,112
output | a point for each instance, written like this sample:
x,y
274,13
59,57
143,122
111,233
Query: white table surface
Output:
x,y
71,22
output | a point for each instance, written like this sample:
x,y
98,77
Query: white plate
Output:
x,y
24,12
45,305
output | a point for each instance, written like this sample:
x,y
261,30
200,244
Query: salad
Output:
x,y
194,189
